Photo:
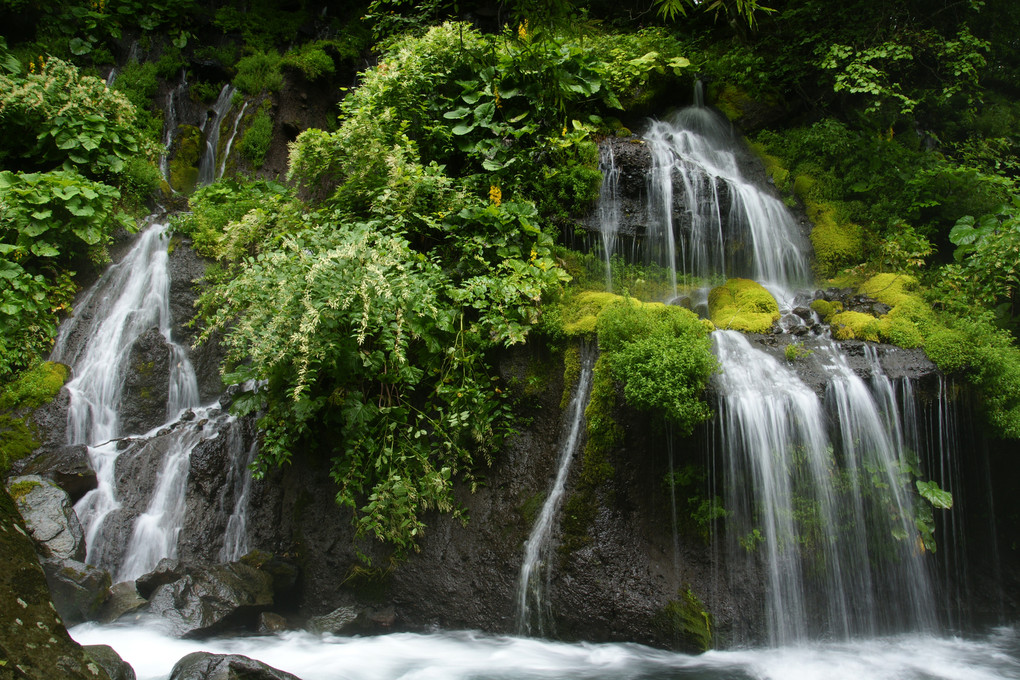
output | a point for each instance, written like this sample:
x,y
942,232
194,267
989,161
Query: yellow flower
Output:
x,y
495,93
495,195
522,30
534,254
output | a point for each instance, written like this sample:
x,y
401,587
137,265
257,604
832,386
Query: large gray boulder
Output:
x,y
67,465
207,601
146,388
207,666
78,590
108,658
49,517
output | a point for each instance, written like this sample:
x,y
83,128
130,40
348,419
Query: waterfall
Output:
x,y
532,584
170,123
820,494
130,298
609,209
211,127
230,140
235,541
706,219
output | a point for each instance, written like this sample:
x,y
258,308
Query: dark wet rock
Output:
x,y
207,666
109,660
122,601
33,641
78,590
49,516
143,403
222,597
336,622
67,466
166,571
803,312
186,270
270,623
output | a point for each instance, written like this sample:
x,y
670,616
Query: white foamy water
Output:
x,y
475,656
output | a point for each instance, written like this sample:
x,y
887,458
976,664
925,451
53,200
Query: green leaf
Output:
x,y
79,47
42,214
462,129
43,249
931,492
457,114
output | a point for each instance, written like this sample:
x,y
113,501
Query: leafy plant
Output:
x,y
258,73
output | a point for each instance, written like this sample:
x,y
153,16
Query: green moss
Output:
x,y
856,326
837,243
730,100
578,515
19,490
686,619
825,309
773,166
184,165
743,305
795,351
34,387
571,372
18,438
579,312
891,289
603,431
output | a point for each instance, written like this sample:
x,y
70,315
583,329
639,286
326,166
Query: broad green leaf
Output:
x,y
43,249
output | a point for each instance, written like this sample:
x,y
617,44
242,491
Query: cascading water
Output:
x,y
532,584
705,218
211,127
819,493
131,298
170,123
230,140
609,209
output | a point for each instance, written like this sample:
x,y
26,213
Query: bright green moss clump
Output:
x,y
184,166
742,305
837,243
581,311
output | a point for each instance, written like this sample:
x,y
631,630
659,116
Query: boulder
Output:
x,y
123,600
222,597
335,622
207,666
166,571
109,660
33,641
68,466
78,590
49,517
270,623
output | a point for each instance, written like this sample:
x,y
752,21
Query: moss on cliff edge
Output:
x,y
742,305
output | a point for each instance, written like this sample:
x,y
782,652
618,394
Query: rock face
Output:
x,y
219,598
206,666
79,590
67,466
143,403
33,641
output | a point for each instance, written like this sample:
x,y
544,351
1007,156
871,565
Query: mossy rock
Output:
x,y
856,326
742,305
184,165
773,166
837,243
582,310
826,309
687,620
35,387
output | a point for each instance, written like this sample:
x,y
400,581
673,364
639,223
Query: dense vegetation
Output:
x,y
368,291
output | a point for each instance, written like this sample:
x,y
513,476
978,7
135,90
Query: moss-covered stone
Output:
x,y
687,620
742,305
837,243
571,372
826,309
580,311
20,489
856,326
184,164
35,387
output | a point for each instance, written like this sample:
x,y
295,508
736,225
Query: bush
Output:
x,y
256,139
258,73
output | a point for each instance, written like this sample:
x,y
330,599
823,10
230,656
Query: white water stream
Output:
x,y
475,656
533,615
